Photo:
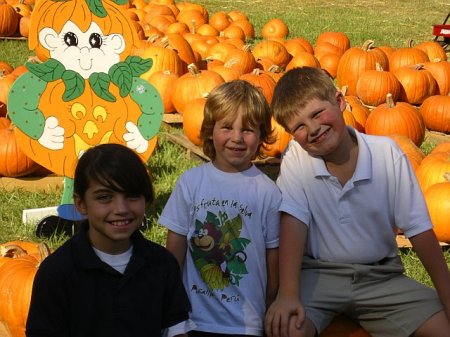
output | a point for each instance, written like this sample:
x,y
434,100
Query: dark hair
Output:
x,y
224,102
116,167
297,87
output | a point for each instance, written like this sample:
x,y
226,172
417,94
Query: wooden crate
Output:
x,y
45,183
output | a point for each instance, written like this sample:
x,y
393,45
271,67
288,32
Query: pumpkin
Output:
x,y
193,18
441,147
13,160
220,51
261,80
275,28
435,111
432,169
181,46
207,30
406,56
4,122
9,20
163,81
440,70
163,59
6,82
282,139
193,119
329,62
433,49
274,50
220,20
303,59
342,326
355,61
416,82
291,45
16,281
338,39
246,26
192,85
359,111
401,118
373,86
226,70
6,68
414,154
244,59
437,198
233,32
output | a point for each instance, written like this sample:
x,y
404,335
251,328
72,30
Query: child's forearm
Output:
x,y
292,242
272,275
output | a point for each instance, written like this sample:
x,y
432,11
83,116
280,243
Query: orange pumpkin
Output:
x,y
417,84
192,85
275,28
9,20
406,56
401,118
414,154
437,198
193,119
355,61
274,50
6,81
432,169
16,281
163,81
342,326
261,80
220,20
282,139
440,70
14,162
338,39
435,111
373,86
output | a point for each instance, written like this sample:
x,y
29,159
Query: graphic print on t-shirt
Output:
x,y
218,250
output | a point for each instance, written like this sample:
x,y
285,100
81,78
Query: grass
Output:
x,y
386,22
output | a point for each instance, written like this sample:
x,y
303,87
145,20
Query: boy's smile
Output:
x,y
235,144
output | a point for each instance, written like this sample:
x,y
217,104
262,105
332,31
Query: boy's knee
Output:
x,y
437,325
307,329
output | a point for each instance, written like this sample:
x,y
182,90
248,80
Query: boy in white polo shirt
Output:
x,y
343,196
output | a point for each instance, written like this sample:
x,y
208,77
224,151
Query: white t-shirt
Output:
x,y
229,220
354,223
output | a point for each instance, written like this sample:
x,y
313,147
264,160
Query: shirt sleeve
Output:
x,y
174,215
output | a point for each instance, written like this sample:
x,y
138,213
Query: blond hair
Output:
x,y
224,102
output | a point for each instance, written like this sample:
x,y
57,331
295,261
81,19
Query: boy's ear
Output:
x,y
79,204
340,99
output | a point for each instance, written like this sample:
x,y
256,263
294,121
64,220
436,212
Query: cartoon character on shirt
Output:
x,y
218,250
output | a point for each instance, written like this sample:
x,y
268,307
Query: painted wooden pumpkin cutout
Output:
x,y
88,91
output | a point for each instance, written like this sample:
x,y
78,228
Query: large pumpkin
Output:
x,y
414,154
193,119
437,198
401,118
16,281
355,61
433,169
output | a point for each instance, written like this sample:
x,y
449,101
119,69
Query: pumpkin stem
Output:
x,y
193,70
378,67
368,45
12,251
447,176
44,251
390,101
409,43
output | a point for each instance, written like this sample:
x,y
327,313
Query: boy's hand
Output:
x,y
279,314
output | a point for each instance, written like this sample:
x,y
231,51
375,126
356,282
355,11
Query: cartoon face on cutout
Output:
x,y
83,52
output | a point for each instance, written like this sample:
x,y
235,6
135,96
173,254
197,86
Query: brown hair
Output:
x,y
297,87
224,102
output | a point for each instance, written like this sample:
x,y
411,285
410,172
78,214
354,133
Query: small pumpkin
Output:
x,y
193,119
275,28
282,139
13,160
435,111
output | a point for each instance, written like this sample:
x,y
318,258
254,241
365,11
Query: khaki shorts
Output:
x,y
379,296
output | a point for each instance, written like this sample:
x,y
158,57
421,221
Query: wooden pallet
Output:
x,y
45,183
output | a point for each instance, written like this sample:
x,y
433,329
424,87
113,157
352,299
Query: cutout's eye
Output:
x,y
95,40
70,39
